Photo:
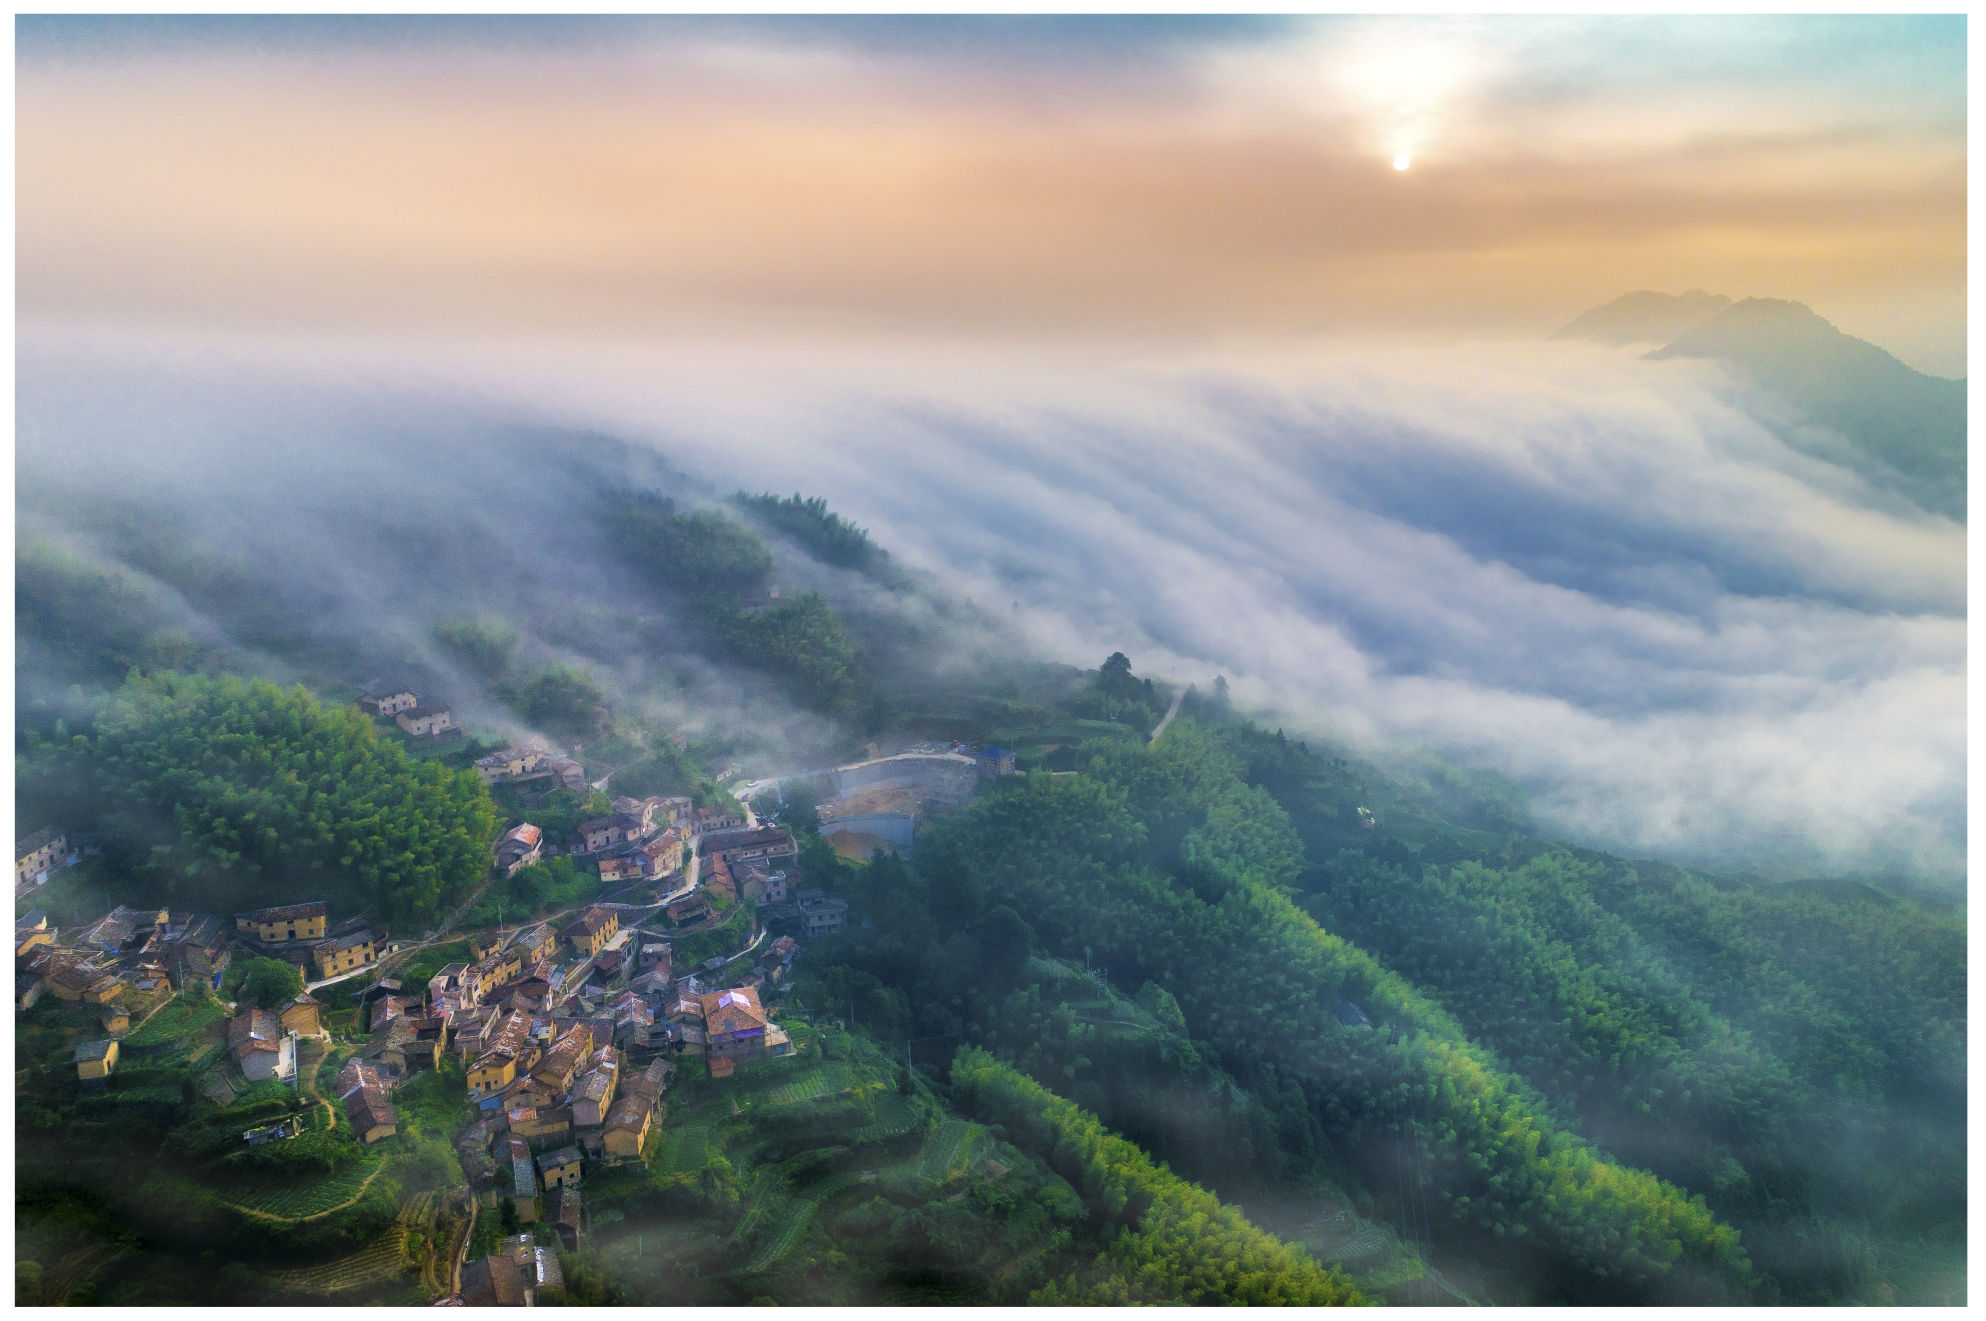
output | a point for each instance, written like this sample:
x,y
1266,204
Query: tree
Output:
x,y
267,982
1006,940
1159,1003
1119,692
560,700
693,554
484,645
798,812
826,536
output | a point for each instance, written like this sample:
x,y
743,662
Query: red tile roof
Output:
x,y
732,1011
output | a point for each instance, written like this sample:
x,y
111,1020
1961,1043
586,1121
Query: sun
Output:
x,y
1402,161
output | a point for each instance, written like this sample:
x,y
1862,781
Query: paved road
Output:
x,y
1172,711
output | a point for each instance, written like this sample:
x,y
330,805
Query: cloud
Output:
x,y
1607,578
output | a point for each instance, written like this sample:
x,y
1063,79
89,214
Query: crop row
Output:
x,y
294,1201
947,1148
685,1149
894,1115
821,1080
791,1225
382,1257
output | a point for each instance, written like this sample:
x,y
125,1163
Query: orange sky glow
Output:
x,y
738,185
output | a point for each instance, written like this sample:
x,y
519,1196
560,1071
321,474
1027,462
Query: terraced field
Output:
x,y
309,1200
318,1066
786,1232
766,1197
895,1114
214,1085
685,1147
389,1255
380,1259
949,1149
181,1021
1366,1241
822,1080
796,1216
74,1268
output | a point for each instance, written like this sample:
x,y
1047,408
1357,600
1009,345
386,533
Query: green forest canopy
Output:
x,y
234,794
1168,866
1181,1244
827,536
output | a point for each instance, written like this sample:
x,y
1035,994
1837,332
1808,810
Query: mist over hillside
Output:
x,y
1613,580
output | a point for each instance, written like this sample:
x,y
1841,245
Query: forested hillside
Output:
x,y
1708,1034
1179,1244
1166,865
221,793
1545,1028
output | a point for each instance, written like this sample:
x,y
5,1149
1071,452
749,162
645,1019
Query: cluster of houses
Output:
x,y
781,909
642,838
646,839
130,962
421,719
300,934
549,1108
568,1037
127,963
528,761
568,1040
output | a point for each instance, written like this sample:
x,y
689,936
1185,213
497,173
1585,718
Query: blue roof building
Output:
x,y
995,761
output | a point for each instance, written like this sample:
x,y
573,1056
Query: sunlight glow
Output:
x,y
1405,81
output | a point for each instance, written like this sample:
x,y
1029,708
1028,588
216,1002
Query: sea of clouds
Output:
x,y
1608,579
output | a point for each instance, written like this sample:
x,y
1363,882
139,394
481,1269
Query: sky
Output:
x,y
1151,181
1131,328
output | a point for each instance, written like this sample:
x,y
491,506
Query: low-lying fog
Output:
x,y
1605,577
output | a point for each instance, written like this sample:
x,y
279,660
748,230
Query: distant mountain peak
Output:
x,y
1645,317
1758,331
1904,431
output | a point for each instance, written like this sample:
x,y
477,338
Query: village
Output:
x,y
568,1030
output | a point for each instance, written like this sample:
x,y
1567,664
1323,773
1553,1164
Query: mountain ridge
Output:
x,y
1644,317
1904,430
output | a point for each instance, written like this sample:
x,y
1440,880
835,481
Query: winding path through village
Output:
x,y
310,1086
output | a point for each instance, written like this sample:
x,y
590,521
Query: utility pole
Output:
x,y
910,1049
